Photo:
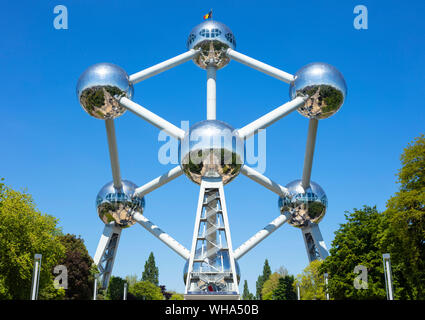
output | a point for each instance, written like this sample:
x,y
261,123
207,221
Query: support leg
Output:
x,y
314,244
106,251
212,267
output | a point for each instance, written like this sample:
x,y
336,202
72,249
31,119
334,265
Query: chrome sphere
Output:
x,y
198,266
213,149
119,205
304,206
99,89
212,38
324,86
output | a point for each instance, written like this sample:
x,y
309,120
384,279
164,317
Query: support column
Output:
x,y
211,92
212,267
314,244
106,252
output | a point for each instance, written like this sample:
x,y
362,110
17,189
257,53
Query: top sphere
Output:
x,y
324,86
211,149
99,89
212,38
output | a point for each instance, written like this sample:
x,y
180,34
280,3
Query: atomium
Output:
x,y
212,38
119,205
305,206
211,148
211,154
99,89
325,89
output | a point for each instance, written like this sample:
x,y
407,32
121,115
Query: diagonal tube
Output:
x,y
113,153
158,182
264,181
260,66
163,66
309,152
271,117
152,118
161,235
260,236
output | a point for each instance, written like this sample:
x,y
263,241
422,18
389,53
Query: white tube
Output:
x,y
270,117
260,66
309,152
264,181
163,66
113,153
161,235
158,182
260,236
211,92
152,118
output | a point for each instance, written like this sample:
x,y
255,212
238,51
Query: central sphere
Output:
x,y
119,205
211,149
212,38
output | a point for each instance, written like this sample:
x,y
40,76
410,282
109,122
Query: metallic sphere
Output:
x,y
304,206
212,149
99,89
119,205
216,265
212,38
324,86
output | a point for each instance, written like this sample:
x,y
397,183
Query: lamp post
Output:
x,y
388,276
125,291
36,276
95,286
326,286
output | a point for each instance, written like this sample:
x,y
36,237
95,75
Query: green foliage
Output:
x,y
269,286
79,266
405,230
25,231
263,278
115,288
177,296
285,289
311,282
151,272
146,290
246,295
357,242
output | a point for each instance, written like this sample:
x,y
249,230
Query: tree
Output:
x,y
167,295
146,290
263,278
78,263
115,288
357,242
25,231
269,286
151,271
177,296
311,282
246,295
405,232
285,289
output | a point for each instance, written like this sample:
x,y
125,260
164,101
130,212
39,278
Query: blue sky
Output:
x,y
58,153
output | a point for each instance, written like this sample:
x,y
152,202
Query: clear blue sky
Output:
x,y
51,147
